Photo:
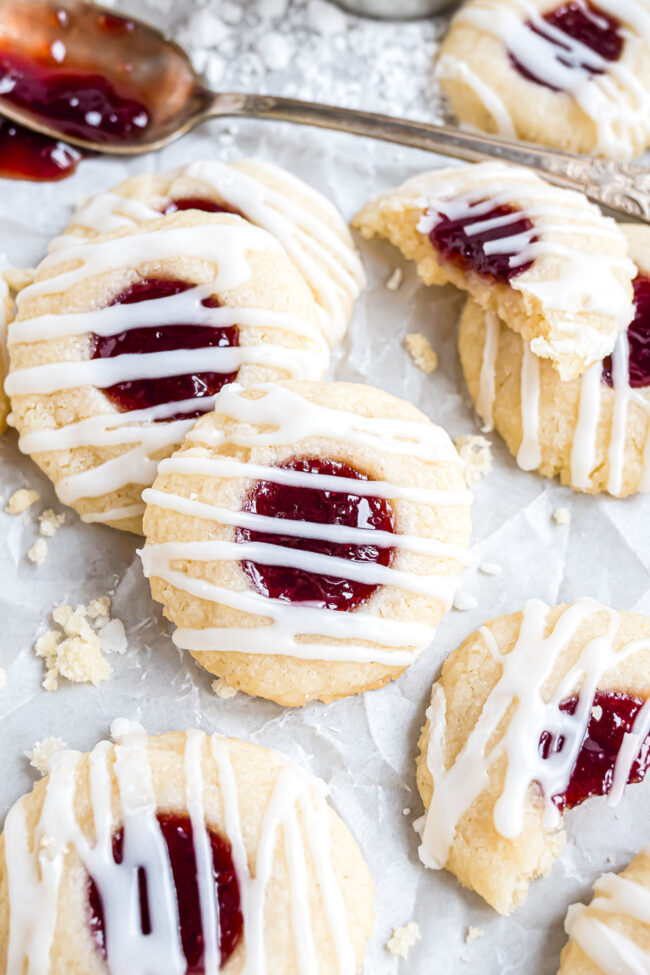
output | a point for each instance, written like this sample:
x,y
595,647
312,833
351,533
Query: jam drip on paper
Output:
x,y
325,507
137,394
177,834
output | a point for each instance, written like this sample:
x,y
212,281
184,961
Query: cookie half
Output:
x,y
307,538
545,259
120,343
180,853
592,432
574,76
612,933
532,715
309,227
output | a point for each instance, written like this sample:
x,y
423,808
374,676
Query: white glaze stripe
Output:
x,y
524,673
35,875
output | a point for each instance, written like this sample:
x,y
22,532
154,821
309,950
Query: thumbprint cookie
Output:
x,y
122,342
545,259
532,715
180,854
594,431
307,538
572,75
308,226
611,935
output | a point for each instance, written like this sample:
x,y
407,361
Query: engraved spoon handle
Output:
x,y
620,186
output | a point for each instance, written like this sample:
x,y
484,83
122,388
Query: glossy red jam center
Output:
x,y
76,103
138,394
638,336
467,250
612,716
584,22
29,155
198,203
324,507
177,834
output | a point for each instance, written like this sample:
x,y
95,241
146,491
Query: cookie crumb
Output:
x,y
50,522
476,452
464,601
394,282
38,552
3,677
41,755
76,650
420,350
491,568
472,934
403,939
406,811
222,689
562,516
21,500
596,712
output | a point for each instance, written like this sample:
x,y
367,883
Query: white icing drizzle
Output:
x,y
608,92
297,807
613,951
278,417
575,282
227,246
524,673
329,263
453,69
590,402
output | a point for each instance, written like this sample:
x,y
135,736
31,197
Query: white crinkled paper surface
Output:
x,y
364,747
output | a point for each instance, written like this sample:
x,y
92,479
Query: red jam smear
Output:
x,y
593,772
638,336
30,155
584,22
75,103
141,393
198,203
454,245
177,834
326,508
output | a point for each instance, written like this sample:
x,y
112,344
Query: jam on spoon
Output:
x,y
137,394
177,834
612,715
285,501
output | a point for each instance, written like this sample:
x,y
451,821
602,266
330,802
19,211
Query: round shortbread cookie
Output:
x,y
308,226
103,382
545,259
183,852
592,432
307,538
532,714
574,76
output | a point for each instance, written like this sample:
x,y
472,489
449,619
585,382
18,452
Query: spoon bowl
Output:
x,y
89,53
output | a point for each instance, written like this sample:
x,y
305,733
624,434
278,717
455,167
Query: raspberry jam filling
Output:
x,y
177,834
468,251
325,508
198,203
612,715
584,22
138,394
638,336
30,155
74,102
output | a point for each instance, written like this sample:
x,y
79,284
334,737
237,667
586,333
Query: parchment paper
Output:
x,y
364,746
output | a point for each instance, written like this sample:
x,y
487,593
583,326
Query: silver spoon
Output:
x,y
160,74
